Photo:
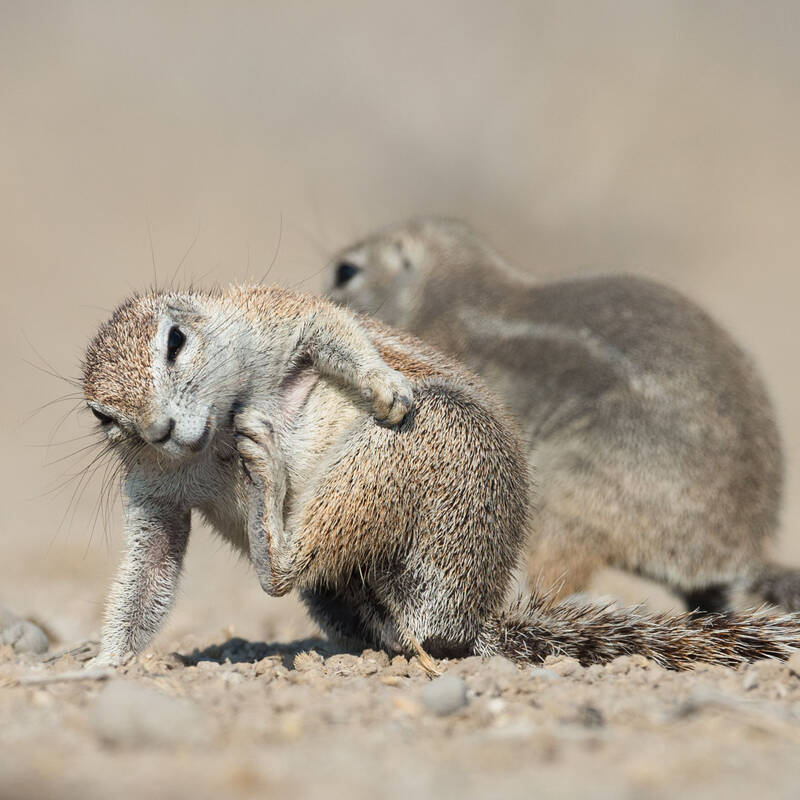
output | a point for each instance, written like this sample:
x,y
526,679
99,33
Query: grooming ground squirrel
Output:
x,y
651,436
354,464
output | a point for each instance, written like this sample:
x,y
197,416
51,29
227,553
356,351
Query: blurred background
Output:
x,y
199,140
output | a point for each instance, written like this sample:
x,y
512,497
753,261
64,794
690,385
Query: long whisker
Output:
x,y
57,427
53,374
73,396
67,457
152,255
309,277
83,479
186,254
275,254
51,370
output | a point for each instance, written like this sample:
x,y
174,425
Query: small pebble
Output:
x,y
372,661
501,665
307,661
794,664
590,717
750,680
341,664
22,635
445,695
496,705
25,637
622,665
768,668
564,665
544,672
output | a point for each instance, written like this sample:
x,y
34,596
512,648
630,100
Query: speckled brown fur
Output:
x,y
289,424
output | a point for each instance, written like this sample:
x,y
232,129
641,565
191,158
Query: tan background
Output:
x,y
658,138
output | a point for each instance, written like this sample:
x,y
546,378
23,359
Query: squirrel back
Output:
x,y
649,430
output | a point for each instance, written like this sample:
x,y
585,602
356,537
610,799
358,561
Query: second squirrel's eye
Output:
x,y
345,272
175,341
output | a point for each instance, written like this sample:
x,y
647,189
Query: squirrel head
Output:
x,y
386,274
147,374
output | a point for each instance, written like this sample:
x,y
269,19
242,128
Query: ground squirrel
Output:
x,y
353,463
651,436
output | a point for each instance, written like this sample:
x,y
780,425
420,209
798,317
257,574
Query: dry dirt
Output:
x,y
241,719
140,141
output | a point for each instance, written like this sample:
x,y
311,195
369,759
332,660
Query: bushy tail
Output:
x,y
533,629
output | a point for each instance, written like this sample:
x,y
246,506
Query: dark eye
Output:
x,y
104,418
175,341
345,272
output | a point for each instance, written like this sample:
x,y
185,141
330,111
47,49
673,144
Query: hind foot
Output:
x,y
426,661
779,586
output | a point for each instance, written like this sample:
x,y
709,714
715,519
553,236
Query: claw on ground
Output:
x,y
425,660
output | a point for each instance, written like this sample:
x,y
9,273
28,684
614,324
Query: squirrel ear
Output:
x,y
183,309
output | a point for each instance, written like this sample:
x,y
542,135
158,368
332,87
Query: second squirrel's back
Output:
x,y
651,437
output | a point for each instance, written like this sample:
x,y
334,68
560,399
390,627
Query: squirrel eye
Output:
x,y
345,272
175,341
104,418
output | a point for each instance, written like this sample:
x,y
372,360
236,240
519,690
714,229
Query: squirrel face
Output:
x,y
380,273
146,375
386,274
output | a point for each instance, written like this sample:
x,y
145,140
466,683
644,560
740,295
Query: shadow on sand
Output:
x,y
238,650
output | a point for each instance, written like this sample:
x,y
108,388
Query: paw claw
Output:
x,y
253,435
390,395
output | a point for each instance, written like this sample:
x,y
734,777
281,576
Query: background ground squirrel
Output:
x,y
262,409
650,433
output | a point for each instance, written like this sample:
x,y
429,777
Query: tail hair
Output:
x,y
537,627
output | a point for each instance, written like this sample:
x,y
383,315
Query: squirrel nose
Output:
x,y
158,432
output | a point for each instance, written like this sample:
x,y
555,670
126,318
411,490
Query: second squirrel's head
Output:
x,y
147,374
387,274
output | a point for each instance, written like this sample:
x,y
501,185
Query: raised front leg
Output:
x,y
341,349
270,546
144,589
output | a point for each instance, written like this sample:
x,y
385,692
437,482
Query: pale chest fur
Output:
x,y
311,440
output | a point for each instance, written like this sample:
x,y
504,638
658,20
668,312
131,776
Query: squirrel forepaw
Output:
x,y
109,658
390,394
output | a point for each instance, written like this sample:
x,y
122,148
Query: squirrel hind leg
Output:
x,y
353,616
771,583
713,599
562,554
338,616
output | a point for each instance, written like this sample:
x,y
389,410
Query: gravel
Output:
x,y
127,714
24,636
445,695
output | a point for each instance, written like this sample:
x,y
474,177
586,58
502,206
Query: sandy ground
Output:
x,y
242,719
144,141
